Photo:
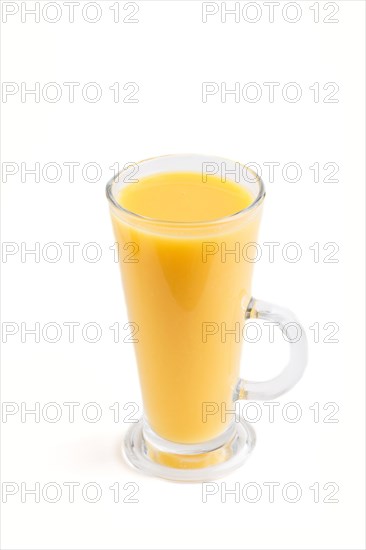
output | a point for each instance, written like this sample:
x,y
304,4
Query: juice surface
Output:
x,y
184,197
187,297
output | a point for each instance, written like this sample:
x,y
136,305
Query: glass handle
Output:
x,y
293,371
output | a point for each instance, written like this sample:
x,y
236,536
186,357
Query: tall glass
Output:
x,y
188,292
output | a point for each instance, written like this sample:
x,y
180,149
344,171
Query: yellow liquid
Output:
x,y
175,284
184,197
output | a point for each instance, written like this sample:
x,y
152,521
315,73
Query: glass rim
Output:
x,y
256,202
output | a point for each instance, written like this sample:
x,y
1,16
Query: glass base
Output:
x,y
202,462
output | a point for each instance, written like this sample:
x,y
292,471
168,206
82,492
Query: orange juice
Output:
x,y
187,285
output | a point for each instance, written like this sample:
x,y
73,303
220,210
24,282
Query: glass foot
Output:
x,y
202,462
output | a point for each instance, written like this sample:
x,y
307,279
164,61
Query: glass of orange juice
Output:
x,y
186,225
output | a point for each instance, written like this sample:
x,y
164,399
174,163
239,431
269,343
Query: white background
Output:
x,y
169,53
